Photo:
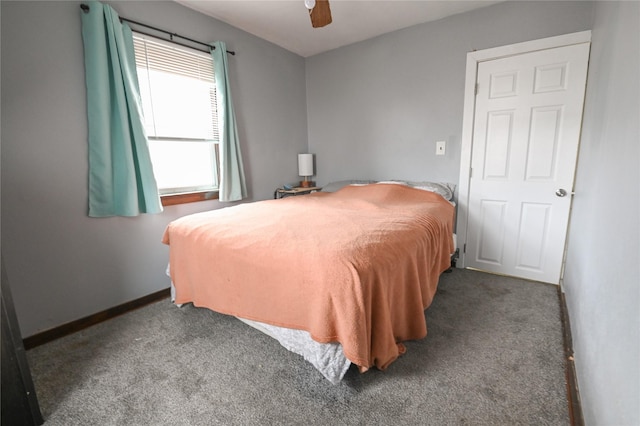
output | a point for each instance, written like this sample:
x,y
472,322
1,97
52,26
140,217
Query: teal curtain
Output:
x,y
121,180
232,181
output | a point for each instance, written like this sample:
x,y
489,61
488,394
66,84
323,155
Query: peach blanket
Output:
x,y
358,266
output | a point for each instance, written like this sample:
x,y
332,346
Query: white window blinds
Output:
x,y
177,86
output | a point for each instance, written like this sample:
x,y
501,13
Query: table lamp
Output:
x,y
305,169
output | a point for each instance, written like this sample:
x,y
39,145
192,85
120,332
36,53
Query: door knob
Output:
x,y
561,192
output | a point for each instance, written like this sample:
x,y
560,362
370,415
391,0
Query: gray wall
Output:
x,y
63,265
602,275
376,108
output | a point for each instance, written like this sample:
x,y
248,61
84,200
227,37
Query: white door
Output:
x,y
528,115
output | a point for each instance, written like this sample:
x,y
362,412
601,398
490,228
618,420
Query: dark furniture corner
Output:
x,y
19,401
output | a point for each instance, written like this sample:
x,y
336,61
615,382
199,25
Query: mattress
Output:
x,y
386,246
327,358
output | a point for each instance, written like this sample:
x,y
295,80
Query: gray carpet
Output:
x,y
493,356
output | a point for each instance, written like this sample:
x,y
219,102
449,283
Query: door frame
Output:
x,y
473,59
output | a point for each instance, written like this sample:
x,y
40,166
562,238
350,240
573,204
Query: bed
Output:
x,y
339,277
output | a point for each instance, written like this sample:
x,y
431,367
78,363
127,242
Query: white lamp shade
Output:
x,y
305,164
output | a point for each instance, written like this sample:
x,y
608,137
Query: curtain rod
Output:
x,y
86,8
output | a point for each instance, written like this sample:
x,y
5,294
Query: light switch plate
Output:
x,y
440,147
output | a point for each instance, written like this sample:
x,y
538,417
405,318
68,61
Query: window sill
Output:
x,y
188,197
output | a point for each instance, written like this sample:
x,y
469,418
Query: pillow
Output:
x,y
394,182
444,189
334,186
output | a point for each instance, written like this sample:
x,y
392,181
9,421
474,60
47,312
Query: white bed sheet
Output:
x,y
327,358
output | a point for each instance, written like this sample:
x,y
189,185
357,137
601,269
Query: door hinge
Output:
x,y
476,89
464,248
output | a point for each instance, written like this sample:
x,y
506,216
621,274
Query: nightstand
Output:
x,y
282,192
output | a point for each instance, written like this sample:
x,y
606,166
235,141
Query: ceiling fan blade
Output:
x,y
320,14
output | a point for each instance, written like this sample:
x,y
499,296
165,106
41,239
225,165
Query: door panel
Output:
x,y
527,122
496,155
543,143
534,232
492,227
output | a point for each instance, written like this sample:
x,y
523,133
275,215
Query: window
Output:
x,y
177,86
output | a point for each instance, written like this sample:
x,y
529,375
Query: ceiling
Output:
x,y
286,22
